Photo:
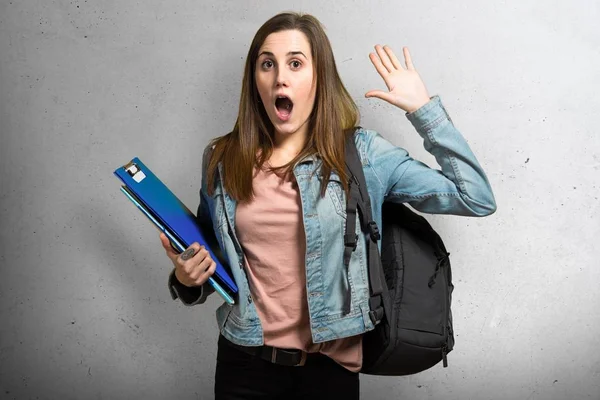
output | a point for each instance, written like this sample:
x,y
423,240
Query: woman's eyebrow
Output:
x,y
290,53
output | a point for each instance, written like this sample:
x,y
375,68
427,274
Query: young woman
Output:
x,y
273,192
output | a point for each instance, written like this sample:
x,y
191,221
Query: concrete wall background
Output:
x,y
87,85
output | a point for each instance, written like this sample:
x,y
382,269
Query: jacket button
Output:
x,y
249,299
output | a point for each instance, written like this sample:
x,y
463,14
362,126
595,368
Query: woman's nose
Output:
x,y
281,79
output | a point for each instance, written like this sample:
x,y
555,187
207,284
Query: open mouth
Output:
x,y
283,106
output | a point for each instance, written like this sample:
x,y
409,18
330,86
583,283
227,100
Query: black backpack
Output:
x,y
410,283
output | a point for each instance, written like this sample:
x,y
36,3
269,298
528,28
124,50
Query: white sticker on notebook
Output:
x,y
139,176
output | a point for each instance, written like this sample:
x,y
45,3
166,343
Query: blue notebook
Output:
x,y
172,217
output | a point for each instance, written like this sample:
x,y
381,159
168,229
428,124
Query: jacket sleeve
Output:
x,y
460,188
191,296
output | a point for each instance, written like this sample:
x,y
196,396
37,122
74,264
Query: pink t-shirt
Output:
x,y
271,233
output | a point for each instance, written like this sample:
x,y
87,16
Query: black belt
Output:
x,y
276,355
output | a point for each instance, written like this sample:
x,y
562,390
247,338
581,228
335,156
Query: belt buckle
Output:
x,y
299,364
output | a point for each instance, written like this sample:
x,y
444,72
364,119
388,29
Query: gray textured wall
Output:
x,y
87,85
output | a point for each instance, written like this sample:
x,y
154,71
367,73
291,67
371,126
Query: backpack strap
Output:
x,y
359,200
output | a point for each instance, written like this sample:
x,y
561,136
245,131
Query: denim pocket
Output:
x,y
218,201
336,194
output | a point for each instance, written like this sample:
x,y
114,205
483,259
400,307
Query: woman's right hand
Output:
x,y
194,266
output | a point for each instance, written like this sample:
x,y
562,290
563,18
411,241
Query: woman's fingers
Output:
x,y
409,63
191,257
166,243
193,266
395,62
386,96
378,65
188,253
207,270
200,272
385,59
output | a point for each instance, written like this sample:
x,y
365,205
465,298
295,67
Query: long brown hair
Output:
x,y
250,143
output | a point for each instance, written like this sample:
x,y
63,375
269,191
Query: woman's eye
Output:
x,y
268,64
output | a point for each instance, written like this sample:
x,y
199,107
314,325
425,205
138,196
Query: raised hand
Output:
x,y
406,89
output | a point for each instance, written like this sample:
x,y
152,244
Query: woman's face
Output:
x,y
284,68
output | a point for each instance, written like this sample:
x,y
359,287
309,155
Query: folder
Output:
x,y
155,200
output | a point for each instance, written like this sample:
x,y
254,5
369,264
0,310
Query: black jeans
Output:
x,y
240,376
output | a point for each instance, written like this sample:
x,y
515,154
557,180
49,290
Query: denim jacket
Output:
x,y
460,188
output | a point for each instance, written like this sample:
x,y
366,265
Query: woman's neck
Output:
x,y
286,147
